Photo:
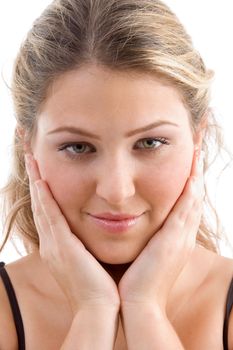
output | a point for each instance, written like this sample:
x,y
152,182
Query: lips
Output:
x,y
113,223
115,217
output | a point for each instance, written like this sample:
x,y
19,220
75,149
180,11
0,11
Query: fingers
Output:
x,y
48,218
32,168
34,175
188,207
197,164
49,209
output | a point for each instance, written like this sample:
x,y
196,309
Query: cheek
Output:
x,y
159,184
68,186
166,182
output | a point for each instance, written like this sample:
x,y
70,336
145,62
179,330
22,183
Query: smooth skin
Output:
x,y
144,283
136,285
114,167
140,181
73,290
90,284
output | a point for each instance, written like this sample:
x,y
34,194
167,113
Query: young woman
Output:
x,y
107,191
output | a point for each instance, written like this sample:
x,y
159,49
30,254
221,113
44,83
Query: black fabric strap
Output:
x,y
229,304
14,306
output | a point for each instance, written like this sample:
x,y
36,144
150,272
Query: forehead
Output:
x,y
95,93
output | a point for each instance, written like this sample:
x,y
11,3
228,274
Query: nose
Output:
x,y
115,182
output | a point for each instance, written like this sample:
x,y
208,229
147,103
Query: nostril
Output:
x,y
115,193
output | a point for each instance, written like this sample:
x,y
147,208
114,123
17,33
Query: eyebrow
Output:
x,y
79,131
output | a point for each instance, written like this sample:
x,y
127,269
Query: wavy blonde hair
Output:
x,y
127,35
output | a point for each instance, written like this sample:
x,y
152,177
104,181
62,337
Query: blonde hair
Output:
x,y
128,35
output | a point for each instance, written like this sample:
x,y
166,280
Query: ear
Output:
x,y
200,133
23,136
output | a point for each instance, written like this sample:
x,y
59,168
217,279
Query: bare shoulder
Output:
x,y
202,300
45,312
220,279
226,271
8,335
19,273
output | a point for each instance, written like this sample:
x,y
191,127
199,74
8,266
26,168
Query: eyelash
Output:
x,y
64,147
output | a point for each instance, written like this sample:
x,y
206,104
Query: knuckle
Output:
x,y
52,220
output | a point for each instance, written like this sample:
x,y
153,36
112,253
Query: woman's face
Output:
x,y
125,147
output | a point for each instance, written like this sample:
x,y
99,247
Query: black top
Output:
x,y
14,306
19,323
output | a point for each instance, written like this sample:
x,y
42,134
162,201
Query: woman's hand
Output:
x,y
151,276
83,280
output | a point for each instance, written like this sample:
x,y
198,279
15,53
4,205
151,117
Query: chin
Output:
x,y
118,261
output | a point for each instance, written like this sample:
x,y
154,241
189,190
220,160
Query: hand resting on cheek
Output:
x,y
148,279
83,280
151,276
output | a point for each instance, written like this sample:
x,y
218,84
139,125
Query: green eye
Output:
x,y
151,143
76,150
84,150
79,148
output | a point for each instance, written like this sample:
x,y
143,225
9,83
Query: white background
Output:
x,y
210,25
